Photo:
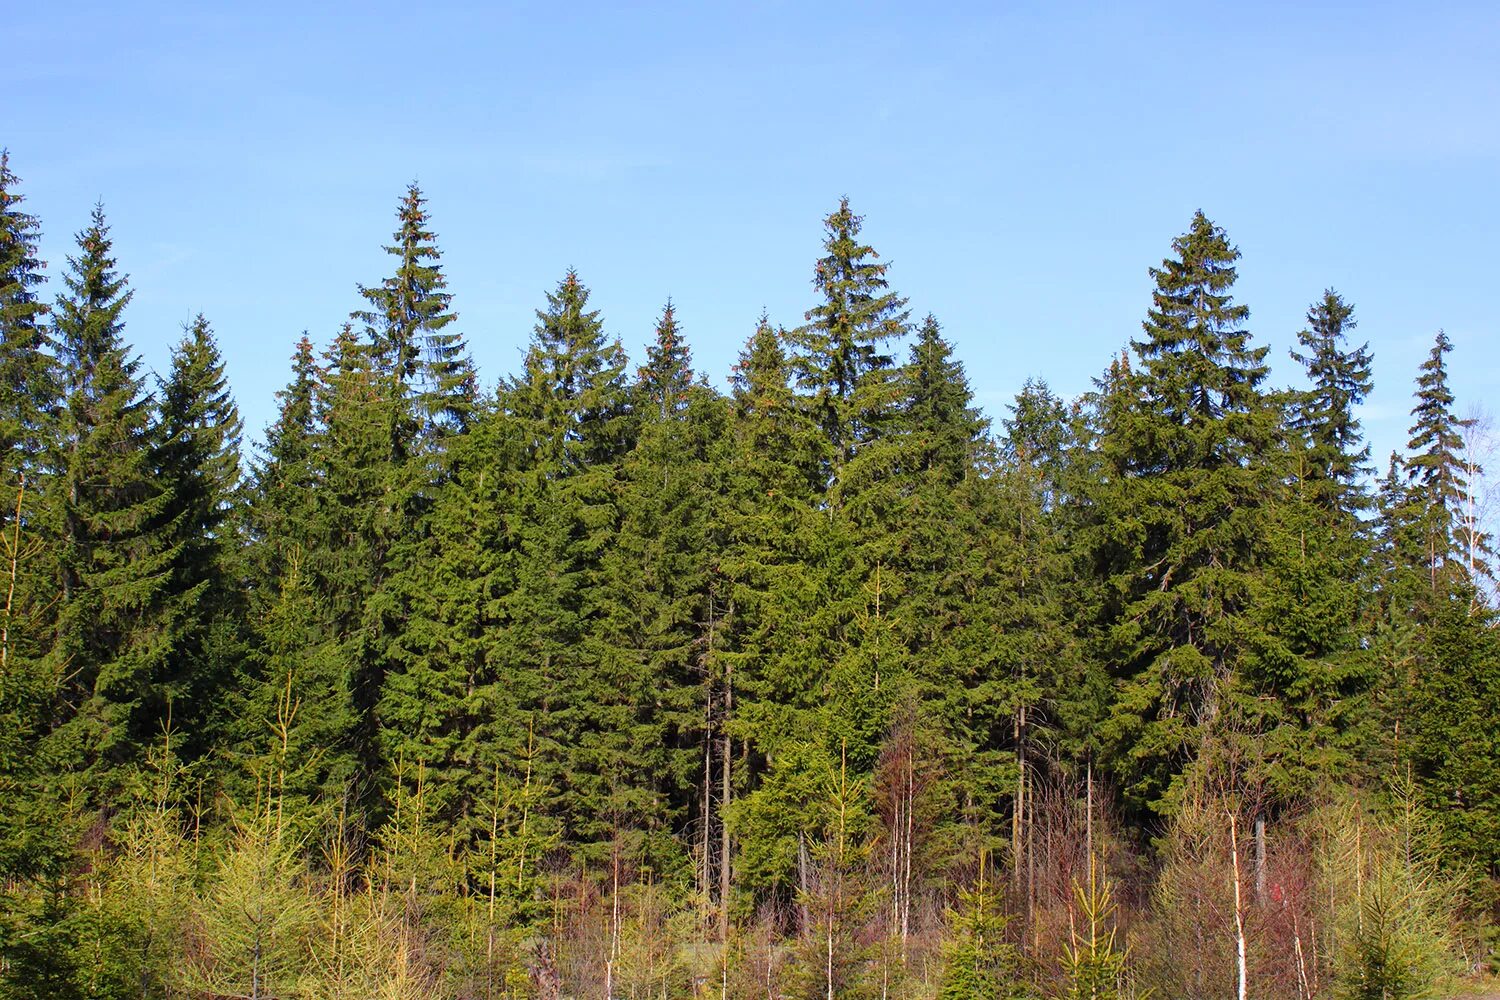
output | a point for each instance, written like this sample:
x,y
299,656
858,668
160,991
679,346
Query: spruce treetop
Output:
x,y
668,372
409,318
1199,368
20,268
841,359
28,380
760,375
87,318
1324,414
938,410
1436,439
288,439
572,385
200,427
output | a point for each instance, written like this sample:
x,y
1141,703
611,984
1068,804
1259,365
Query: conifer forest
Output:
x,y
613,679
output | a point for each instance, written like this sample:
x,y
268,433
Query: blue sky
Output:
x,y
1022,165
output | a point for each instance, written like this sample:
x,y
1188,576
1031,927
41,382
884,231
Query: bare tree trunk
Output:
x,y
1242,966
724,798
804,921
10,593
705,807
911,794
1260,859
725,790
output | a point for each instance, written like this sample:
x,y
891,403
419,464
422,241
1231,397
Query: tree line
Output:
x,y
609,682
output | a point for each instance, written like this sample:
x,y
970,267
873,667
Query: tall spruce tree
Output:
x,y
1311,670
35,839
117,624
349,531
1435,467
197,463
769,591
571,409
28,415
445,709
1183,502
663,610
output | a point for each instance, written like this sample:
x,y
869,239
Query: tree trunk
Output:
x,y
1242,971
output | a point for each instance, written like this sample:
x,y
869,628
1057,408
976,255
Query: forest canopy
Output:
x,y
610,682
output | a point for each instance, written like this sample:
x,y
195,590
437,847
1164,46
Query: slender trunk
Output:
x,y
1088,806
1260,860
911,794
614,921
489,941
804,920
705,807
1242,963
10,592
724,799
526,800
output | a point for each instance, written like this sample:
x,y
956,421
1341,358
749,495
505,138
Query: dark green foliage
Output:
x,y
633,669
283,499
28,413
117,624
1438,480
1436,441
571,416
1182,502
408,325
1453,744
445,707
196,463
28,379
1337,458
667,375
839,356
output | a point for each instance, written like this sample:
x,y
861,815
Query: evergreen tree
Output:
x,y
1452,741
1310,669
28,405
662,610
28,379
1040,434
408,322
196,463
570,407
445,709
839,356
1438,481
667,375
283,479
117,624
1183,498
1324,413
771,686
349,468
349,531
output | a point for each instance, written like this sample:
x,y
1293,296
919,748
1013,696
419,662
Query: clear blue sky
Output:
x,y
1022,166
